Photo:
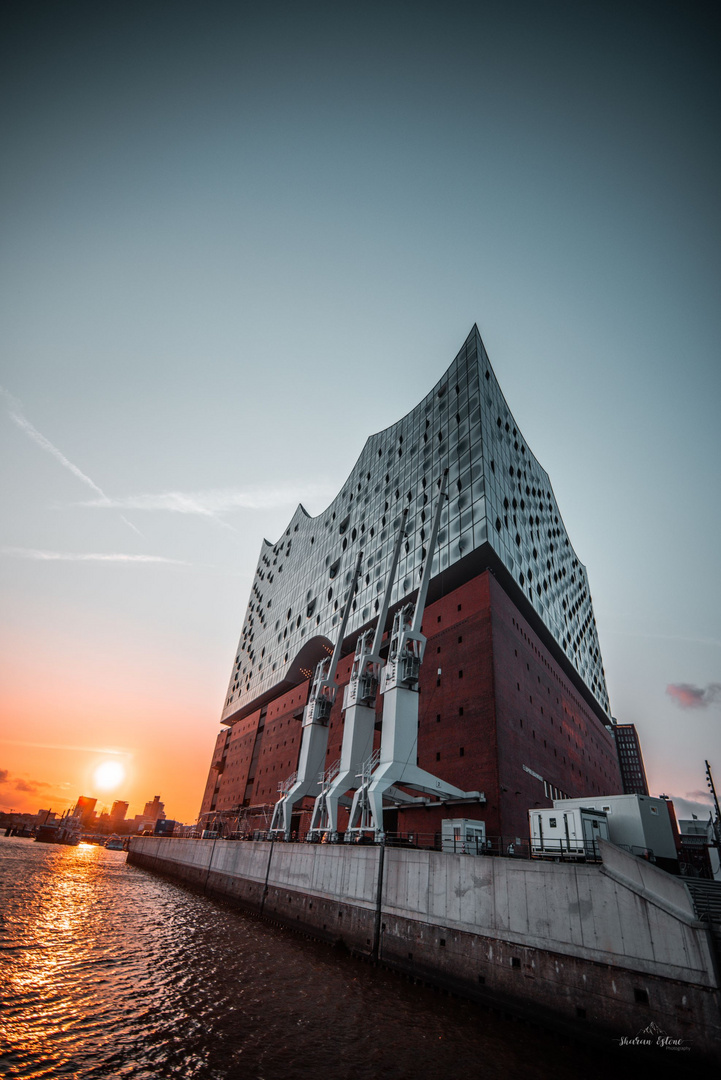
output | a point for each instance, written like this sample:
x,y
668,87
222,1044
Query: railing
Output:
x,y
368,767
326,778
640,852
509,847
506,846
695,863
284,786
565,848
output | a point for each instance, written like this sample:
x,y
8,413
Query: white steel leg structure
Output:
x,y
319,822
314,738
399,735
359,703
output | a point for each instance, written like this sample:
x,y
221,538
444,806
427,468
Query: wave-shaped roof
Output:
x,y
501,504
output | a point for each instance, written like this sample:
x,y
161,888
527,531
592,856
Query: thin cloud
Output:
x,y
63,746
22,785
65,556
667,637
693,804
704,796
687,696
216,501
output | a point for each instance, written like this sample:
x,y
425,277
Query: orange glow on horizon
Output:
x,y
56,733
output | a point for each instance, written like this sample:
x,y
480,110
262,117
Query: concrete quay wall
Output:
x,y
613,947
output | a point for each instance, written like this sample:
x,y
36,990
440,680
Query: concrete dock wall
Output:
x,y
613,946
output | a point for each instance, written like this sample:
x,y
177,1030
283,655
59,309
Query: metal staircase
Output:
x,y
706,897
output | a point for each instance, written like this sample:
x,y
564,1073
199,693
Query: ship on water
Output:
x,y
65,831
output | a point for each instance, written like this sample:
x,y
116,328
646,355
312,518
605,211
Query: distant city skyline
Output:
x,y
238,243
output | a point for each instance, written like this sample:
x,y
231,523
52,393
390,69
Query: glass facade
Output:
x,y
498,496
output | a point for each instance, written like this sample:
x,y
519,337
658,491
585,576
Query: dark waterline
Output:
x,y
109,971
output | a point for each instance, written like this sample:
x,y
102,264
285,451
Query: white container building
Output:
x,y
567,832
463,836
639,823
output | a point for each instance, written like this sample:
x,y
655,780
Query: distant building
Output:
x,y
85,809
118,812
694,831
513,699
699,853
153,810
630,760
164,827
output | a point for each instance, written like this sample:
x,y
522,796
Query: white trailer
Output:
x,y
463,836
567,833
638,823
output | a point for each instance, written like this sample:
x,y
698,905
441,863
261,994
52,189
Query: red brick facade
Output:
x,y
497,713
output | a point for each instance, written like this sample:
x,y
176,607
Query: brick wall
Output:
x,y
497,714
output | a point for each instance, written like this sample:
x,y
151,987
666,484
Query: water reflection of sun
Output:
x,y
47,959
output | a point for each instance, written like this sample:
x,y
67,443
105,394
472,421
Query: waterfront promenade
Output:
x,y
613,946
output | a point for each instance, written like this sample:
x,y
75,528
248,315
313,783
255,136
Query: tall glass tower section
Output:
x,y
501,515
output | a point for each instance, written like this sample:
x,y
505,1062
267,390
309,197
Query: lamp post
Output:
x,y
710,785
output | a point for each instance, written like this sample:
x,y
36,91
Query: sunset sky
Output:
x,y
237,239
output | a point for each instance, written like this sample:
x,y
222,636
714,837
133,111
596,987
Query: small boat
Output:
x,y
114,843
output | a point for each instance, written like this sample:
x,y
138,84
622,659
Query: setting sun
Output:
x,y
108,775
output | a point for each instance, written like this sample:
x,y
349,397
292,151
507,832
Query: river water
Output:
x,y
109,971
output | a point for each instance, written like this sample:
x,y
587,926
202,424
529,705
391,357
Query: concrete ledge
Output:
x,y
615,947
569,909
656,886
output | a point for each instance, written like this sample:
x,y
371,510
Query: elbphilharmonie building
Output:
x,y
513,700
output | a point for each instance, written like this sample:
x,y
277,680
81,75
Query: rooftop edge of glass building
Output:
x,y
501,515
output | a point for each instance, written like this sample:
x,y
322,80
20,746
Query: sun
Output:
x,y
108,775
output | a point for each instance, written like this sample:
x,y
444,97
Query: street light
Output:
x,y
712,789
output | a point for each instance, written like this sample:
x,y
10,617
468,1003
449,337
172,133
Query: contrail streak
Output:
x,y
21,421
63,556
32,432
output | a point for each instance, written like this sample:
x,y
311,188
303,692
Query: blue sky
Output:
x,y
236,241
